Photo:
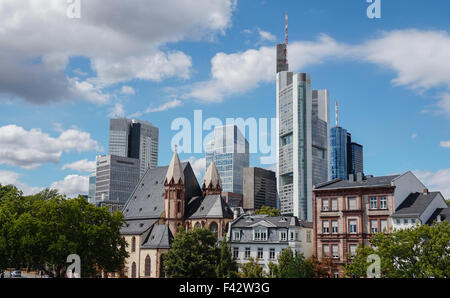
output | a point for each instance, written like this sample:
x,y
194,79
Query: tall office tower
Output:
x,y
91,195
229,150
349,154
260,188
282,64
302,143
116,179
136,139
338,140
357,158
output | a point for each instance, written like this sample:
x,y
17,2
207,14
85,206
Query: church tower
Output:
x,y
174,189
212,185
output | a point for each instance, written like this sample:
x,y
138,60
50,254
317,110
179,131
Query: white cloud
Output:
x,y
128,90
420,60
445,144
119,50
436,181
198,165
83,165
117,111
414,136
31,148
266,36
12,178
72,185
164,107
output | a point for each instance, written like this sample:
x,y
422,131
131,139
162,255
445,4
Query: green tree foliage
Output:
x,y
292,265
272,212
227,267
40,231
194,254
251,269
421,252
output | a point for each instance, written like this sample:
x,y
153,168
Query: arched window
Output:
x,y
198,225
147,265
178,207
133,244
133,270
214,228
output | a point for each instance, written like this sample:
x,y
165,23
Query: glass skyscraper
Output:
x,y
135,139
302,143
229,150
338,142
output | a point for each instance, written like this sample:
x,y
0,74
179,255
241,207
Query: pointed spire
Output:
x,y
212,177
175,170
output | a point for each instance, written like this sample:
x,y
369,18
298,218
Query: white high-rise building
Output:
x,y
302,143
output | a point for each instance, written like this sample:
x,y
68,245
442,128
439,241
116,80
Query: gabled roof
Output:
x,y
368,181
210,206
415,204
248,221
443,212
159,237
175,170
212,177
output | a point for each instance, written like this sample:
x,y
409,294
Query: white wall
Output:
x,y
404,185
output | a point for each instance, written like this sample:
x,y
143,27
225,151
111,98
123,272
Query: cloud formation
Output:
x,y
72,185
83,165
30,149
436,181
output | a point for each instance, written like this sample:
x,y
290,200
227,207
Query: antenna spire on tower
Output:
x,y
336,113
286,36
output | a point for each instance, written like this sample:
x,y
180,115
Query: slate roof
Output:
x,y
210,206
137,227
415,204
159,237
368,181
443,212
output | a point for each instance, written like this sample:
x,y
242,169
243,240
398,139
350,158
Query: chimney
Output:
x,y
425,191
359,177
235,213
438,218
351,177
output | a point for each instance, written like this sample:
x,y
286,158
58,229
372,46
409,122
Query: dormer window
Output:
x,y
260,234
283,219
283,236
236,235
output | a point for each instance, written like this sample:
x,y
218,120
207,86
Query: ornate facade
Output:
x,y
166,199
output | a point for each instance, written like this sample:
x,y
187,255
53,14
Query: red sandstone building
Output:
x,y
348,212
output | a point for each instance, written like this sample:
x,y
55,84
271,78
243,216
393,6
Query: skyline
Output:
x,y
390,76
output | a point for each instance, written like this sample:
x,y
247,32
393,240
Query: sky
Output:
x,y
62,78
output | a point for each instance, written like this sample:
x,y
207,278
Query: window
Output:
x,y
235,252
236,235
334,226
405,221
283,236
352,249
133,244
147,266
133,270
259,234
325,203
383,203
397,221
335,251
178,207
326,227
326,250
335,273
272,253
352,225
260,253
292,236
373,203
213,227
373,226
247,252
334,204
352,204
383,225
308,236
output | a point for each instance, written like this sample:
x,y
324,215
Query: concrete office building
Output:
x,y
229,151
302,143
260,188
116,178
135,139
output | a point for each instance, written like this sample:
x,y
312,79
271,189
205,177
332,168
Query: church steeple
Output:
x,y
175,171
211,183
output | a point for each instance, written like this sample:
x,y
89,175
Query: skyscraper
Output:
x,y
135,139
338,142
260,188
92,182
357,159
229,150
302,143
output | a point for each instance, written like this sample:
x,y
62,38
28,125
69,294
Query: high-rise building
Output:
x,y
260,188
302,143
229,150
116,179
338,142
91,195
357,159
135,139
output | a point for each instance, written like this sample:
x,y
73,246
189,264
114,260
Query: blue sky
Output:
x,y
63,78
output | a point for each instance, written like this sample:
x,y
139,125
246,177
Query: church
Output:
x,y
165,199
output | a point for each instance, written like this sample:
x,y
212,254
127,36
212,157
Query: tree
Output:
x,y
40,232
323,268
227,267
272,212
251,269
420,252
292,265
194,254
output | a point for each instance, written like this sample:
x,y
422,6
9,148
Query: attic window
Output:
x,y
134,197
283,219
142,185
140,209
202,208
126,210
156,207
153,237
249,219
141,225
156,182
148,196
